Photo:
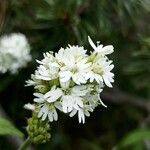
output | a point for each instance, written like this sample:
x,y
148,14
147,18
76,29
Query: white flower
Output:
x,y
54,94
81,90
74,52
14,52
100,49
71,81
48,111
69,102
74,99
48,69
107,74
51,96
74,64
90,102
47,103
101,71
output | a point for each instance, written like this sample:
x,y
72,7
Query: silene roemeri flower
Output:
x,y
71,81
14,52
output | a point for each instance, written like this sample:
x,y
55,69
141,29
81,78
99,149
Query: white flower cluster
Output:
x,y
14,52
71,81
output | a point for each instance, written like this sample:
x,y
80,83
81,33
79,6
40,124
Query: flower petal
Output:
x,y
91,43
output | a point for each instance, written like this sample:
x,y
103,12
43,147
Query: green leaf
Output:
x,y
6,128
134,137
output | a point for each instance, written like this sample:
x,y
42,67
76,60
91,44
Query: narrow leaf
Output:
x,y
6,128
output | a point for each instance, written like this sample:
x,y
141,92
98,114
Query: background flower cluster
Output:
x,y
14,52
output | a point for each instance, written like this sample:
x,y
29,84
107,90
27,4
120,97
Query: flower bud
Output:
x,y
38,130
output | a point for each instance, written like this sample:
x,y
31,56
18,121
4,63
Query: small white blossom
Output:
x,y
101,71
100,49
90,102
48,111
74,52
48,69
47,105
69,102
14,52
53,94
74,99
74,64
49,97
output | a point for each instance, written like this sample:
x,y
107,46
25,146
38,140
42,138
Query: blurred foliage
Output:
x,y
133,138
6,128
51,24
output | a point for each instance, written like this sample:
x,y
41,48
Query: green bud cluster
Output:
x,y
38,130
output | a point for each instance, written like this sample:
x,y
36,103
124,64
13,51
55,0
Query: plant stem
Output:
x,y
25,144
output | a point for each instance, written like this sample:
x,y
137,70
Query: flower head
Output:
x,y
14,52
71,81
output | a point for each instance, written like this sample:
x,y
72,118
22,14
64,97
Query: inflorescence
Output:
x,y
71,81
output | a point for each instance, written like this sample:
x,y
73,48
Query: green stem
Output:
x,y
24,145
